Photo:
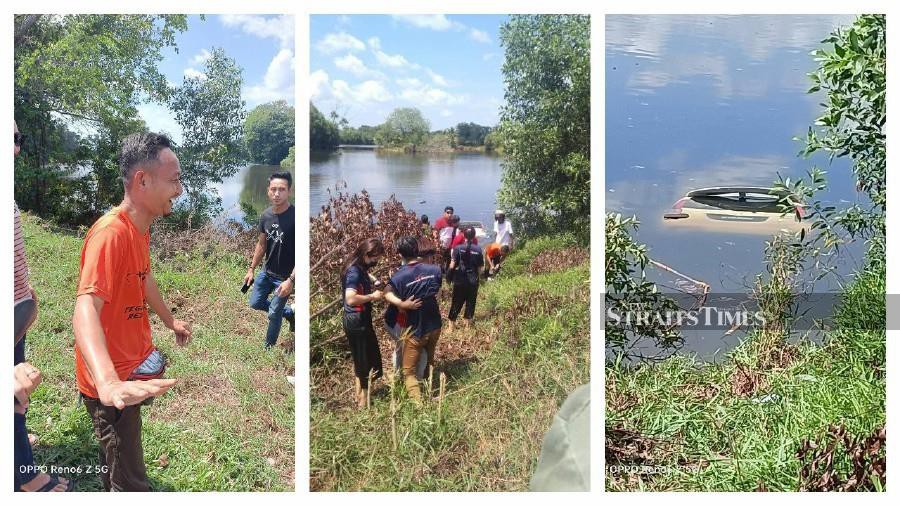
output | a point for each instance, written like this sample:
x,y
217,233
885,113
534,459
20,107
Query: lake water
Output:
x,y
249,185
705,101
424,183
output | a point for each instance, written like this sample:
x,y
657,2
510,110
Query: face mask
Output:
x,y
371,264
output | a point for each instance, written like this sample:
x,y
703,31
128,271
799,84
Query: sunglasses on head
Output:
x,y
19,138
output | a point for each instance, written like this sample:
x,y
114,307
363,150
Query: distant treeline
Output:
x,y
405,128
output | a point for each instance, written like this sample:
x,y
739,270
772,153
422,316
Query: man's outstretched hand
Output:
x,y
182,331
129,393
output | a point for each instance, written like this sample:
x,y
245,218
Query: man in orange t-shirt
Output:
x,y
494,255
111,321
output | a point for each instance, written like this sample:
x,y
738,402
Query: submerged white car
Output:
x,y
480,233
738,209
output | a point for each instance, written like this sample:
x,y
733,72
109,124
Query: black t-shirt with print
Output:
x,y
279,230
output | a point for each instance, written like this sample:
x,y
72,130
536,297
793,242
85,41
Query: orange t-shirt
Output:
x,y
492,250
115,261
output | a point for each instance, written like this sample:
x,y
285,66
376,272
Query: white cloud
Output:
x,y
352,64
341,41
364,92
427,95
409,82
278,83
437,78
437,22
392,60
193,73
446,113
318,83
200,58
374,43
479,36
488,56
279,27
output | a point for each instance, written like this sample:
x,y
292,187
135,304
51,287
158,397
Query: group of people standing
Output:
x,y
413,317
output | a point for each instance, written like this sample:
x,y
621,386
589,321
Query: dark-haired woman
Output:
x,y
465,267
358,293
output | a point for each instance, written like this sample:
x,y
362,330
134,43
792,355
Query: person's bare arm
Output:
x,y
355,299
92,344
181,328
258,254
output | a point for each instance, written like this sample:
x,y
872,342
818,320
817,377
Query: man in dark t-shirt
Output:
x,y
276,244
414,288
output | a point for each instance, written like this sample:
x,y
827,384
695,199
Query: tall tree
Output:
x,y
323,133
269,132
211,114
404,126
545,123
87,73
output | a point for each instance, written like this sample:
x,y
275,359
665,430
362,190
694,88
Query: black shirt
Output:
x,y
279,230
467,263
358,279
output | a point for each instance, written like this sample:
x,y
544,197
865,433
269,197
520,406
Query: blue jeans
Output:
x,y
21,445
263,285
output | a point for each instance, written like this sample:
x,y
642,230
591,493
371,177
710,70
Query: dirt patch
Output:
x,y
558,260
779,356
745,381
186,401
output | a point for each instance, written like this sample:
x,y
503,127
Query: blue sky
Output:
x,y
447,66
263,47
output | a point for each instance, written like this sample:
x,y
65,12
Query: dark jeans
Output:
x,y
363,346
463,294
24,459
121,455
264,284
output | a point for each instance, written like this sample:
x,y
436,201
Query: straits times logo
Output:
x,y
705,317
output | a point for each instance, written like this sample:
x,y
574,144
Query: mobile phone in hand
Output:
x,y
246,286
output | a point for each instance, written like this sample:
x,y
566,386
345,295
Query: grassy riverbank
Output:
x,y
504,382
228,424
683,425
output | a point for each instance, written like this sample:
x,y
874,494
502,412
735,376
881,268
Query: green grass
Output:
x,y
228,424
505,381
710,439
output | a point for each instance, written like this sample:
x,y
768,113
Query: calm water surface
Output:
x,y
424,183
703,101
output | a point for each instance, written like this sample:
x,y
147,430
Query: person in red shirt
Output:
x,y
443,221
111,321
460,239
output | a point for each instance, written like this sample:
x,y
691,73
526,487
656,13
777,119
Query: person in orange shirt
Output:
x,y
113,344
494,255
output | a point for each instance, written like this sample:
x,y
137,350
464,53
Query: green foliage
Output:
x,y
628,290
269,132
404,127
852,75
545,124
91,70
323,133
362,136
493,141
471,134
211,115
289,160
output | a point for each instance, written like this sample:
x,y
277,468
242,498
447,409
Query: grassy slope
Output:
x,y
737,443
228,424
503,387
